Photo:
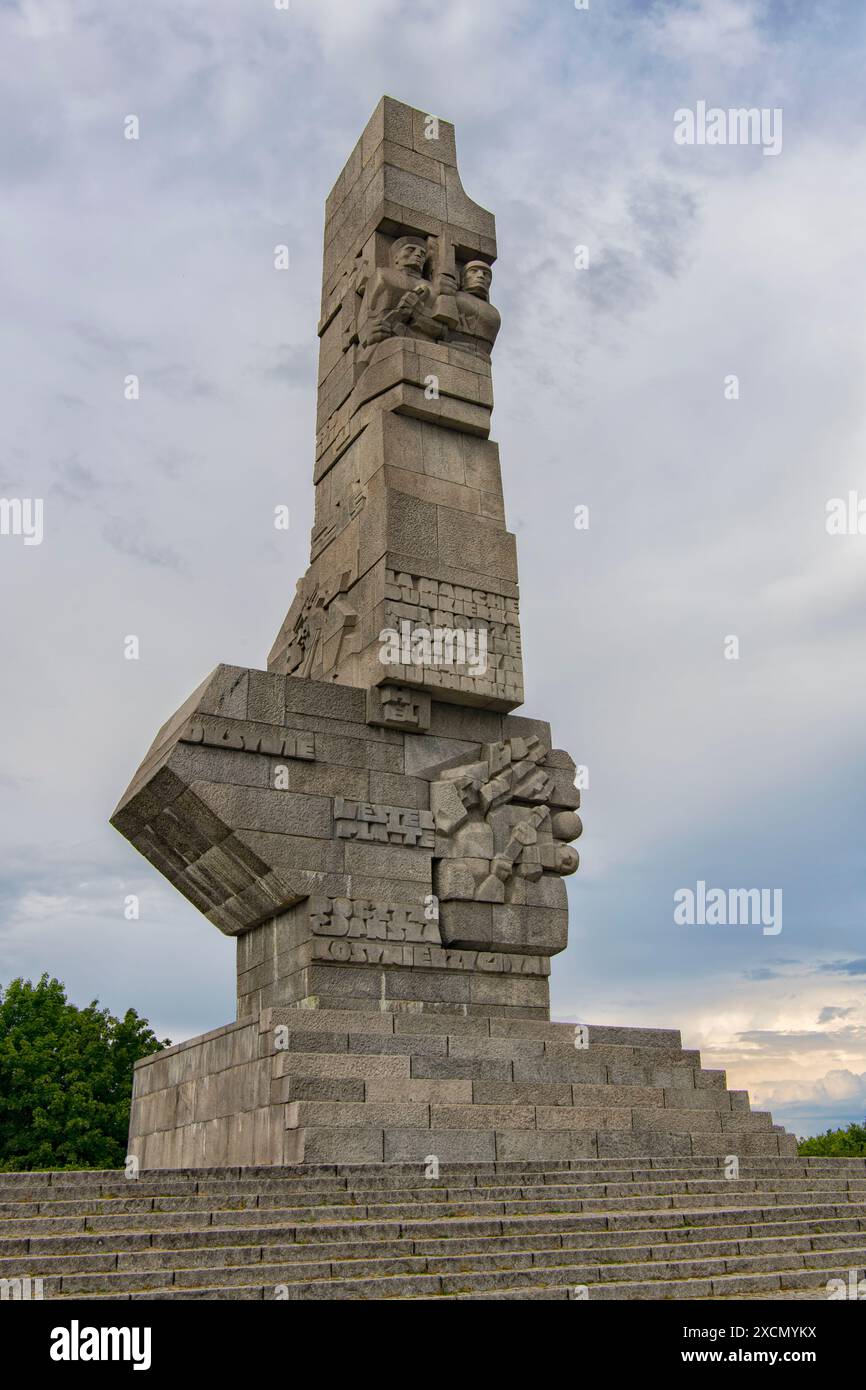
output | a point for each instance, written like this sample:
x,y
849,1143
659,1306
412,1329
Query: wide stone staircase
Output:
x,y
439,1156
667,1228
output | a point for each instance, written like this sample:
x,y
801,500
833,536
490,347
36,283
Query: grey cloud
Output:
x,y
107,342
292,364
663,214
803,1042
180,382
76,482
121,537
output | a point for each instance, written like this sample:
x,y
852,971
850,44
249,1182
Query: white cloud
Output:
x,y
695,30
822,1093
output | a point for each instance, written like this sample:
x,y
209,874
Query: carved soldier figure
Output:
x,y
479,321
400,298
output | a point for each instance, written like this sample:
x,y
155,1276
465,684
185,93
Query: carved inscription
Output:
x,y
357,918
398,707
428,957
355,931
278,743
385,825
429,604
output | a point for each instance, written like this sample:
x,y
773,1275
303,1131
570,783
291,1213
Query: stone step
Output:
x,y
435,1024
734,1288
167,1184
471,1048
342,1077
620,1209
663,1190
431,1256
777,1295
375,1060
604,1182
572,1135
712,1191
228,1178
584,1115
607,1182
387,1238
819,1187
704,1280
484,1272
672,1227
463,1233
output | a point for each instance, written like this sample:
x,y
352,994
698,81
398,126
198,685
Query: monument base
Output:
x,y
320,1086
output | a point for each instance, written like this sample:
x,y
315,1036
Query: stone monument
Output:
x,y
384,838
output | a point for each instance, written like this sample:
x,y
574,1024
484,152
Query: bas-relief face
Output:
x,y
477,280
411,257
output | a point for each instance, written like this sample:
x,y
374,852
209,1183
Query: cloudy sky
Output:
x,y
707,514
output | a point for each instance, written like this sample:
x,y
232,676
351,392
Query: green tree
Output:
x,y
65,1078
836,1143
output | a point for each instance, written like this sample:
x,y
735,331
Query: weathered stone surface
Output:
x,y
341,1064
448,1146
496,1222
516,1145
398,707
389,1079
386,840
417,1091
316,1144
374,1113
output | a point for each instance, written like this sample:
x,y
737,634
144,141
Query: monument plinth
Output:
x,y
384,837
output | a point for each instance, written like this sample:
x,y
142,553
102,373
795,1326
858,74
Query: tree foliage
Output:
x,y
837,1143
65,1078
